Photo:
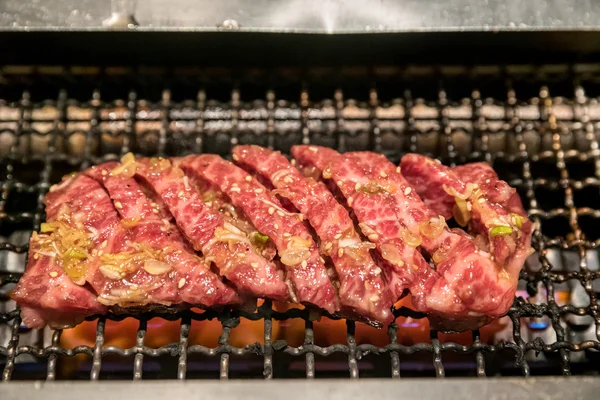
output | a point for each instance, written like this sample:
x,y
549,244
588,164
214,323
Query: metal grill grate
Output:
x,y
537,125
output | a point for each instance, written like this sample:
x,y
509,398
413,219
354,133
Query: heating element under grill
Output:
x,y
537,125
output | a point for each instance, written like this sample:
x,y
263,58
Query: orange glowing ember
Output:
x,y
161,332
410,331
327,332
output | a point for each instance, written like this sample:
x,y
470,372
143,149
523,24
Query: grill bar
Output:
x,y
268,348
52,358
437,356
352,364
11,350
479,355
518,128
550,118
97,360
413,119
183,347
139,356
394,357
310,357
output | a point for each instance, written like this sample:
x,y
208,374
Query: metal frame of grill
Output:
x,y
537,125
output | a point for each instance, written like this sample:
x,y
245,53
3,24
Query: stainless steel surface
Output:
x,y
318,16
459,389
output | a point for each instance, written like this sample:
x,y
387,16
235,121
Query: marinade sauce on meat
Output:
x,y
297,250
174,259
362,290
347,233
466,286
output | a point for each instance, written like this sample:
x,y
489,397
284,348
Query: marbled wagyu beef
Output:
x,y
348,233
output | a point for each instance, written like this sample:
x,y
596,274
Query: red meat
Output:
x,y
362,291
174,266
297,250
237,260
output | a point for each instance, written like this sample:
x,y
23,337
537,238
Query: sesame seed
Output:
x,y
287,179
234,185
340,183
480,200
180,194
313,149
339,235
469,206
382,174
322,260
54,274
104,172
118,204
100,252
280,213
103,245
293,163
304,264
340,252
377,271
155,211
254,265
349,201
259,190
276,226
248,178
235,189
271,210
415,267
328,246
373,237
36,256
400,263
357,186
235,157
181,283
374,298
287,234
407,191
487,181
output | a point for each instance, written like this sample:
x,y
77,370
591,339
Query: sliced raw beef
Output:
x,y
53,289
172,258
220,242
348,233
403,264
469,288
362,291
297,250
489,208
484,287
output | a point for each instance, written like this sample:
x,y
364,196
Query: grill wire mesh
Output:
x,y
538,126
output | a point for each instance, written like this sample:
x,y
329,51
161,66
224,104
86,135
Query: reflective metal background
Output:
x,y
319,16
